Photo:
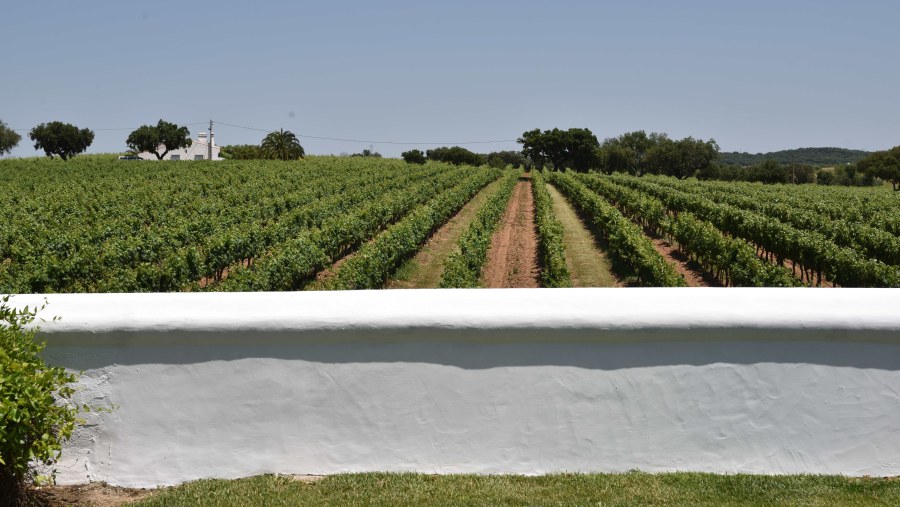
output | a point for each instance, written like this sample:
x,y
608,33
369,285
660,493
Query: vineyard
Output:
x,y
97,224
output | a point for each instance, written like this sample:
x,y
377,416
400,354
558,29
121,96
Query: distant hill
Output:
x,y
813,156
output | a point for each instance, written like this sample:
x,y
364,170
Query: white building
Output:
x,y
198,150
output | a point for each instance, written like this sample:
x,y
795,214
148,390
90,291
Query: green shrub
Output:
x,y
35,416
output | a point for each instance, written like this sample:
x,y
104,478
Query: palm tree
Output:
x,y
282,145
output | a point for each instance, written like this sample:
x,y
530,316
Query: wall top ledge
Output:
x,y
840,312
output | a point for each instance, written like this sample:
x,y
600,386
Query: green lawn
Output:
x,y
563,489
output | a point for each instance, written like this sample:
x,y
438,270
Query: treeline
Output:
x,y
635,153
457,155
812,156
638,153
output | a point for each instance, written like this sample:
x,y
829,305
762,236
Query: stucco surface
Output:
x,y
489,381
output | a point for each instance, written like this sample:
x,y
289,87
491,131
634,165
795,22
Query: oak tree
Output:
x,y
159,139
9,138
63,139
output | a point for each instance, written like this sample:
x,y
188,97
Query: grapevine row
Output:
x,y
627,244
873,242
462,268
814,253
296,262
733,261
376,261
554,272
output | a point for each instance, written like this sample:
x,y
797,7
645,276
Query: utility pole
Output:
x,y
209,143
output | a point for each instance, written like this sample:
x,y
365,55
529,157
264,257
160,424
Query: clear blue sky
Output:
x,y
756,76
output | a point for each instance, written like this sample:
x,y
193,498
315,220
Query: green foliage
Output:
x,y
849,175
414,157
242,152
574,148
343,222
812,156
769,171
554,272
166,135
818,255
626,242
35,418
374,263
884,165
282,145
9,138
683,158
455,155
501,159
628,152
462,269
367,153
62,139
733,261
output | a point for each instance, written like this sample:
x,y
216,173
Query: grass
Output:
x,y
633,488
424,270
588,265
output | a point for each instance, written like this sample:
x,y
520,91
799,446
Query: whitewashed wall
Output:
x,y
485,381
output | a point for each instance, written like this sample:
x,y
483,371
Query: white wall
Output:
x,y
198,147
487,381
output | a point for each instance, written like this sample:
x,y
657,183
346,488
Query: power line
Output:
x,y
369,141
123,128
307,136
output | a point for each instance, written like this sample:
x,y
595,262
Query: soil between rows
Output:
x,y
512,260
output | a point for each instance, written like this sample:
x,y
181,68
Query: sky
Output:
x,y
755,76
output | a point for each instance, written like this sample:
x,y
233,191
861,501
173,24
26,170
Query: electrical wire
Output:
x,y
307,136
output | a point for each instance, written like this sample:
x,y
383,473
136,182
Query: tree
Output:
x,y
414,157
501,159
632,153
884,165
165,135
9,138
241,152
63,139
282,145
683,158
367,153
455,155
616,158
575,148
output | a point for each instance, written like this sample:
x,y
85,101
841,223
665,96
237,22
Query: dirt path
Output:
x,y
94,494
512,258
694,275
424,270
588,265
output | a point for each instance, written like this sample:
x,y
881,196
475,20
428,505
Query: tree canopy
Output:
x,y
628,152
501,159
455,155
414,157
575,148
9,138
242,152
884,165
63,139
367,153
683,158
282,145
164,135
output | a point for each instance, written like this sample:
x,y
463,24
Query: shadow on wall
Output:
x,y
473,355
